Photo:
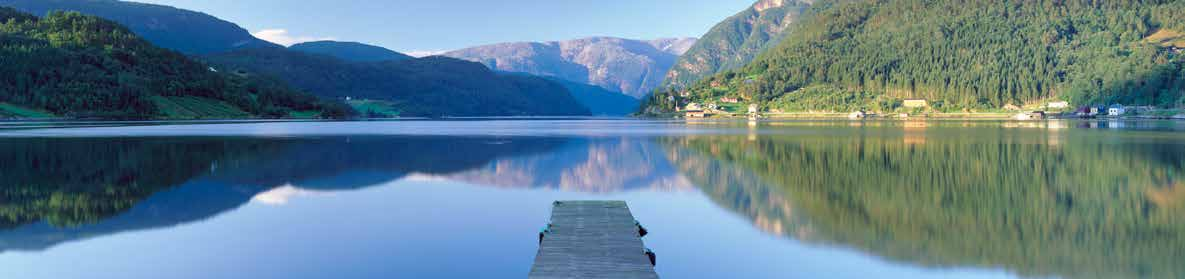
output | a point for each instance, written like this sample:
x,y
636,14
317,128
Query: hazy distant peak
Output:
x,y
634,67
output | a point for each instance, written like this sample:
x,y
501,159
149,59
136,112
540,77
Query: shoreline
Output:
x,y
925,116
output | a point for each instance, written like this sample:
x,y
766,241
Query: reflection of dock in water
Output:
x,y
592,239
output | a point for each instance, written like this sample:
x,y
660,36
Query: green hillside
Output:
x,y
350,51
76,66
431,86
962,56
186,31
734,42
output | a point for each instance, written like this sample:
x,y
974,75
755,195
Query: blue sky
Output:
x,y
432,25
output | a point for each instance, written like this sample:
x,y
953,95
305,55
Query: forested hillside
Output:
x,y
72,65
964,56
734,42
431,86
186,31
350,51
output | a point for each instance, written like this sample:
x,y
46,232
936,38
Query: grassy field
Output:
x,y
13,111
197,108
1167,38
304,114
374,108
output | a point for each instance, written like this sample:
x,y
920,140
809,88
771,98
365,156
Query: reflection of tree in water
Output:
x,y
1083,208
70,182
72,188
741,190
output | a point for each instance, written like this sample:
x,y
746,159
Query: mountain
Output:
x,y
963,56
599,101
606,165
630,66
350,51
734,42
430,86
676,46
79,66
181,30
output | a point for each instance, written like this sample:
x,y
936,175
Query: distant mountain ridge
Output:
x,y
435,86
633,67
430,86
164,26
734,42
78,66
599,101
350,51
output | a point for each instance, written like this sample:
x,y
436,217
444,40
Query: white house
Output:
x,y
752,108
1116,110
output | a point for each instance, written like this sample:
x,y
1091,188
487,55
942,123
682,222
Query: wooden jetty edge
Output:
x,y
592,239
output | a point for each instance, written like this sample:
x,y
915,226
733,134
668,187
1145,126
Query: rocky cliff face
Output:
x,y
632,67
736,41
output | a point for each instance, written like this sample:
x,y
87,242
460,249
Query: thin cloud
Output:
x,y
425,53
282,37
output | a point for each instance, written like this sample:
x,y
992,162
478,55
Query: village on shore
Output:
x,y
732,108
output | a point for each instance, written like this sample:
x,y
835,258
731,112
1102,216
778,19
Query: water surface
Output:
x,y
465,199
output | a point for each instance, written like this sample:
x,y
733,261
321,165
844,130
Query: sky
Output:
x,y
438,25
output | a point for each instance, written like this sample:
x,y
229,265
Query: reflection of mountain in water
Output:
x,y
1082,207
585,165
739,189
57,190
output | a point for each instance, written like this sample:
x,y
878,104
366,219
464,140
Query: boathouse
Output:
x,y
696,114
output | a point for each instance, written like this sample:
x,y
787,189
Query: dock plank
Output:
x,y
592,239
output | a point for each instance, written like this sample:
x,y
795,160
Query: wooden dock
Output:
x,y
592,239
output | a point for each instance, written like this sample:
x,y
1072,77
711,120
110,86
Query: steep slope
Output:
x,y
599,101
734,42
350,51
181,30
73,65
629,66
962,56
431,86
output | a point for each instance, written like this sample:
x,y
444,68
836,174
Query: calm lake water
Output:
x,y
465,199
